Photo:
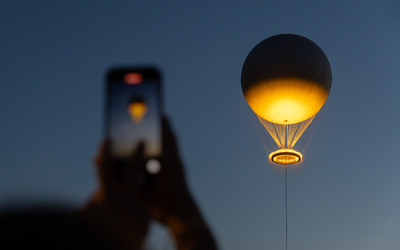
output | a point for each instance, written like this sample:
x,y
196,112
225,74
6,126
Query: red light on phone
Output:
x,y
133,78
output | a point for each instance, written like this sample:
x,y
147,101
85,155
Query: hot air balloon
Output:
x,y
286,80
137,108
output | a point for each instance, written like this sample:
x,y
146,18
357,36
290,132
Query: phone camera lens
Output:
x,y
153,166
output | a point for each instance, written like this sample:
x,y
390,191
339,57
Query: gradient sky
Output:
x,y
346,193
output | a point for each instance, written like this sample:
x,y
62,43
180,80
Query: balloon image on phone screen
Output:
x,y
133,113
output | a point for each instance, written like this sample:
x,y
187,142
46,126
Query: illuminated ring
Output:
x,y
285,156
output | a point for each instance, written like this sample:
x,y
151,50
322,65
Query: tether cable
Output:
x,y
286,203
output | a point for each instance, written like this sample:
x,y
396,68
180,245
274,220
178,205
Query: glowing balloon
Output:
x,y
137,109
286,80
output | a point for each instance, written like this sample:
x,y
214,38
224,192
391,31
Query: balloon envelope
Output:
x,y
286,79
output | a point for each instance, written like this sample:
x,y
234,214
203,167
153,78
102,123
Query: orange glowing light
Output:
x,y
285,156
137,110
286,101
133,78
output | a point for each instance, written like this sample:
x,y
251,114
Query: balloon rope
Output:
x,y
286,201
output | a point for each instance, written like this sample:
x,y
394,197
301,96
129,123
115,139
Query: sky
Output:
x,y
344,195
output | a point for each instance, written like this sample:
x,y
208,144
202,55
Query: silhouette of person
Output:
x,y
118,214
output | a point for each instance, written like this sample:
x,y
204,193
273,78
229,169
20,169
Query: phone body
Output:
x,y
133,114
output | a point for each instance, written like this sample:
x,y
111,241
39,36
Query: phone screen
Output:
x,y
133,111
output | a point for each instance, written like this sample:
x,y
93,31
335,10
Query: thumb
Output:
x,y
137,163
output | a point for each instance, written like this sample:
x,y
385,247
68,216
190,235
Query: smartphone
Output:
x,y
134,113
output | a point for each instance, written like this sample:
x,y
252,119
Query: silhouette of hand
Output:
x,y
125,200
168,191
117,207
169,201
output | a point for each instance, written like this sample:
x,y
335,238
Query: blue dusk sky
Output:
x,y
344,195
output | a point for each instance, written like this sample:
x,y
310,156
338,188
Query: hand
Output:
x,y
123,204
169,201
169,192
117,206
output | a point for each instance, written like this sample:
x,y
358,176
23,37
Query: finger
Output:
x,y
137,153
136,164
170,146
100,153
104,163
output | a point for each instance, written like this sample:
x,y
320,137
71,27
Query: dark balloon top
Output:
x,y
286,56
